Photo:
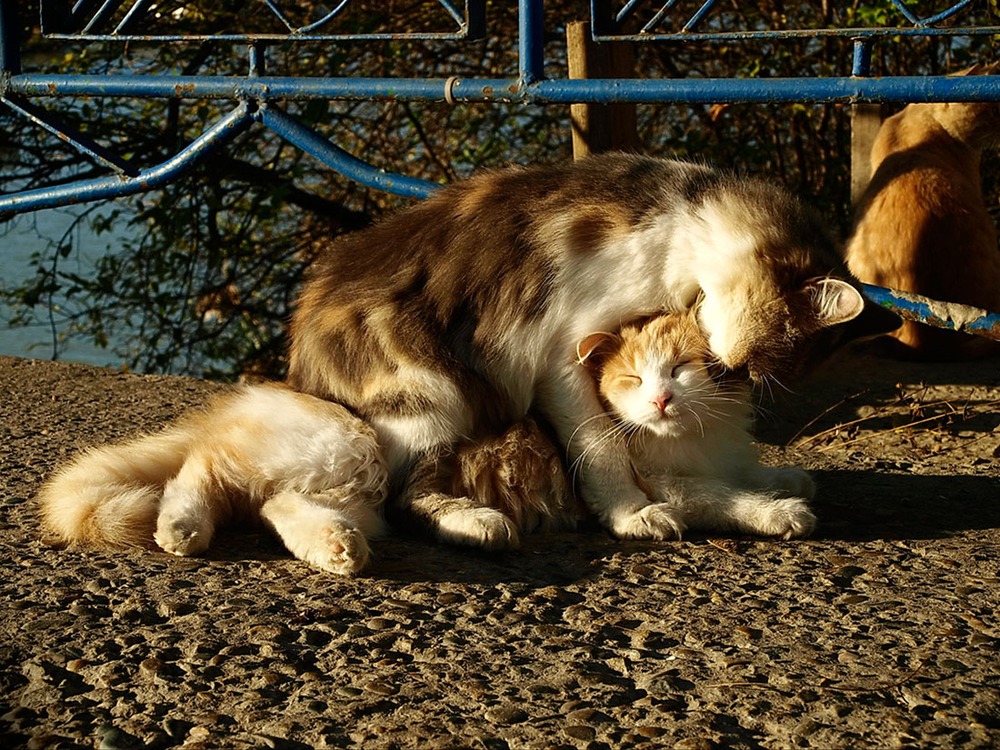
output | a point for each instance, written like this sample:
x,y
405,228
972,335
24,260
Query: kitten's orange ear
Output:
x,y
835,301
589,349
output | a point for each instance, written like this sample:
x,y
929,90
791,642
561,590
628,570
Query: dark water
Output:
x,y
27,234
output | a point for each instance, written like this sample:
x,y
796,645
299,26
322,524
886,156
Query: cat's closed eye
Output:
x,y
629,380
677,369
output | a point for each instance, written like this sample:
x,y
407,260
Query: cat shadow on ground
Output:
x,y
852,506
859,385
543,559
861,506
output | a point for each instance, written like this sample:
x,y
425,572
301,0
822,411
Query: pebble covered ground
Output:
x,y
880,631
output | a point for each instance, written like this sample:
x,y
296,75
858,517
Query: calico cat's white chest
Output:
x,y
631,276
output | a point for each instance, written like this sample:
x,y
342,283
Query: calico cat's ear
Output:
x,y
590,348
837,301
834,301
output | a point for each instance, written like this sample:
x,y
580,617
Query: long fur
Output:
x,y
443,325
110,496
305,467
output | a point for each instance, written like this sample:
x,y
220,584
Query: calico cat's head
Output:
x,y
657,374
771,306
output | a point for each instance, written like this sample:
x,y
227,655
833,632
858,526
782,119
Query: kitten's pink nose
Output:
x,y
661,401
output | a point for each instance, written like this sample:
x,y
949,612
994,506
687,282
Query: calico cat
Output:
x,y
446,323
307,468
922,224
686,427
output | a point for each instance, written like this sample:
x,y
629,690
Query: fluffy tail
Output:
x,y
110,496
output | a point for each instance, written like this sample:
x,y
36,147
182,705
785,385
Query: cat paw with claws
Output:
x,y
655,521
487,528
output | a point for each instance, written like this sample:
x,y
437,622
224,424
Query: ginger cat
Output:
x,y
922,224
686,428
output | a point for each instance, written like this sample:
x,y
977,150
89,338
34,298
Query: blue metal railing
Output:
x,y
257,96
111,20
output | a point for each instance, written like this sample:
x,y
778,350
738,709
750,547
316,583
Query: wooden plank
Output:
x,y
600,127
865,122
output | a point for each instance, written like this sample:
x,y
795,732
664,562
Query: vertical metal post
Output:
x,y
866,119
530,40
10,38
257,60
862,58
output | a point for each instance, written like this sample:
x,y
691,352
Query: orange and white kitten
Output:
x,y
307,468
687,433
922,224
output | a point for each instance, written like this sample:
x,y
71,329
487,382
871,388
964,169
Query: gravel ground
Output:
x,y
881,631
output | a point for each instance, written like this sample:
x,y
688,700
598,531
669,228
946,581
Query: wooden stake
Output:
x,y
600,127
865,122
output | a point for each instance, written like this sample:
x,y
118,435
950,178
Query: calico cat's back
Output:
x,y
922,224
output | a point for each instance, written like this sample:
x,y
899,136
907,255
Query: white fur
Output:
x,y
697,458
309,469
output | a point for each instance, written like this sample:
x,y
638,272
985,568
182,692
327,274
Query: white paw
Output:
x,y
486,528
184,535
796,482
655,521
786,518
338,549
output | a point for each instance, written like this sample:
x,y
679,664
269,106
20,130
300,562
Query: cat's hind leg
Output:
x,y
329,530
189,511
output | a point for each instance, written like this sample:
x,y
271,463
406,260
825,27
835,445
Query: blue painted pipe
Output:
x,y
765,90
530,39
340,160
950,315
556,91
261,88
116,186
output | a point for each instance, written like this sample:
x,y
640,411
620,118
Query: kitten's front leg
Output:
x,y
599,460
712,505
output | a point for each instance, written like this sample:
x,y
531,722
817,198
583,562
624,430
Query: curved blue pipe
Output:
x,y
115,186
935,313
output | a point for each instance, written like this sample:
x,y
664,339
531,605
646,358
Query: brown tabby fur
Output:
x,y
446,323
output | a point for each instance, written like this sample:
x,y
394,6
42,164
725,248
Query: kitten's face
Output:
x,y
656,375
